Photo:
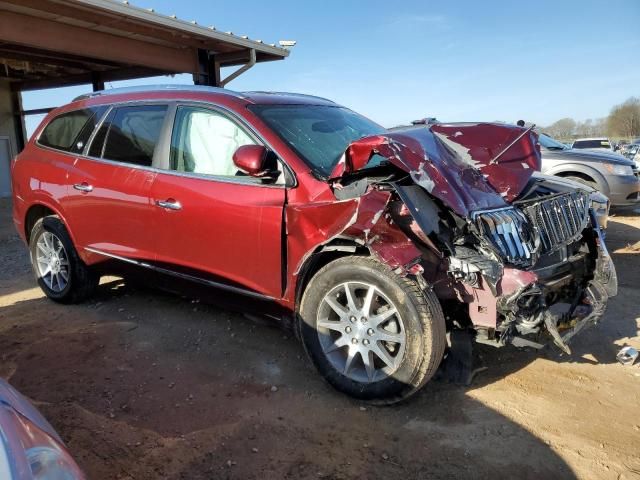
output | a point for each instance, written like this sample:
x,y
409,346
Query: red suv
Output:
x,y
363,237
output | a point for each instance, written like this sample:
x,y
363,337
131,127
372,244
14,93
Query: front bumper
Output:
x,y
564,325
624,190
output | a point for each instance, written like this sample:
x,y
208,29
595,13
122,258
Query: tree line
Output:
x,y
622,123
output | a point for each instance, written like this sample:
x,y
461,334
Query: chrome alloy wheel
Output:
x,y
361,332
52,262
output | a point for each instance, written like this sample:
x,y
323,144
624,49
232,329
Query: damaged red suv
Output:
x,y
376,244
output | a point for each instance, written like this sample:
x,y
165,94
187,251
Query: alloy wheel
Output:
x,y
52,262
361,332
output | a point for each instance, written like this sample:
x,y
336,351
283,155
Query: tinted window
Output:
x,y
204,141
550,143
70,131
320,134
84,135
133,133
95,150
591,144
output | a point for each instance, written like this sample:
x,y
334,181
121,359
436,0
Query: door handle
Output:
x,y
83,187
169,204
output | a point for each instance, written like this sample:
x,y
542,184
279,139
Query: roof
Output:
x,y
45,39
173,91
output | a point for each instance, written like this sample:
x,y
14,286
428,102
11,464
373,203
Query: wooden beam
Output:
x,y
50,35
87,78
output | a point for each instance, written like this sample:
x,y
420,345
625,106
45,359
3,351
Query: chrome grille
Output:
x,y
559,220
521,234
509,231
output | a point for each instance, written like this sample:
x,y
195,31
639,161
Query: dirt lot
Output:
x,y
143,385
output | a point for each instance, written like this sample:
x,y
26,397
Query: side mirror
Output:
x,y
251,159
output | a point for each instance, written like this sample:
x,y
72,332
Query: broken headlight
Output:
x,y
510,234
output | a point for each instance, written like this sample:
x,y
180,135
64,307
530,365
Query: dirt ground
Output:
x,y
142,384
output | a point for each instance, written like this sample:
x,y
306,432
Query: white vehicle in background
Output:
x,y
595,143
30,449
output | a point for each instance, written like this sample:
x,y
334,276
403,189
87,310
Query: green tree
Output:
x,y
624,119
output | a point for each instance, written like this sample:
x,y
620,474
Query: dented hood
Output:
x,y
455,163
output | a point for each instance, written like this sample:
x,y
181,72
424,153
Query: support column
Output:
x,y
208,70
96,81
18,119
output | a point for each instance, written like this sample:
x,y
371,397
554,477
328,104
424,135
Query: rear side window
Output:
x,y
70,131
598,143
130,134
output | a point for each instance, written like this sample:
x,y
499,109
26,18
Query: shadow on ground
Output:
x,y
143,384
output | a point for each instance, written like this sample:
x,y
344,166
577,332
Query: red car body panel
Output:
x,y
112,216
455,162
229,230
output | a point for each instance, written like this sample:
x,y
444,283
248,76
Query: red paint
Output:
x,y
238,232
250,159
466,180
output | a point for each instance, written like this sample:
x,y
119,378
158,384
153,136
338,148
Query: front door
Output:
x,y
213,221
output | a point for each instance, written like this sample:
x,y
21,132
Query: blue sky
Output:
x,y
464,60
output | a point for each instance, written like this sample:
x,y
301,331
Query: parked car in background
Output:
x,y
361,236
610,173
598,143
632,152
30,449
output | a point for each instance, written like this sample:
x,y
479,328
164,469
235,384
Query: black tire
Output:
x,y
82,281
584,181
422,318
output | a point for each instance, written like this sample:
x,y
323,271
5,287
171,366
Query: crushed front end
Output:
x,y
551,271
513,255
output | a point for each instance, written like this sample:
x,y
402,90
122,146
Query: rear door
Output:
x,y
212,221
108,206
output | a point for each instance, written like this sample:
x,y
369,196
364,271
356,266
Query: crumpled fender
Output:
x,y
455,163
365,220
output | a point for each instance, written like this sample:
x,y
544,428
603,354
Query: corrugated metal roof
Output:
x,y
191,28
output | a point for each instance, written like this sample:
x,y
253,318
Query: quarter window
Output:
x,y
130,135
204,141
70,131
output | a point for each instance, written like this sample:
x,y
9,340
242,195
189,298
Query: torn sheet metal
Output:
x,y
365,220
454,163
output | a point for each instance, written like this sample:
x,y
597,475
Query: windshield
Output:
x,y
549,143
318,133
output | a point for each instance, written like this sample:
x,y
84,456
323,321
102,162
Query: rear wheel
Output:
x,y
370,332
60,272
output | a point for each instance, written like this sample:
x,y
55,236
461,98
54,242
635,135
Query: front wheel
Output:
x,y
59,271
371,333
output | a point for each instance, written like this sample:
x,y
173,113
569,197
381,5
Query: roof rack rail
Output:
x,y
158,88
304,95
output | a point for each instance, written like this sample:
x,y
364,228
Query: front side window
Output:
x,y
70,131
318,133
130,134
204,141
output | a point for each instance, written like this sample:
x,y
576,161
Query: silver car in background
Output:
x,y
614,175
30,449
596,143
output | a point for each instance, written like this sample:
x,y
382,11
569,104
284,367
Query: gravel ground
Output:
x,y
142,384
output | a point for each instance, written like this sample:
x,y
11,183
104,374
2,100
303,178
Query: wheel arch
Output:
x,y
40,210
320,257
582,171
